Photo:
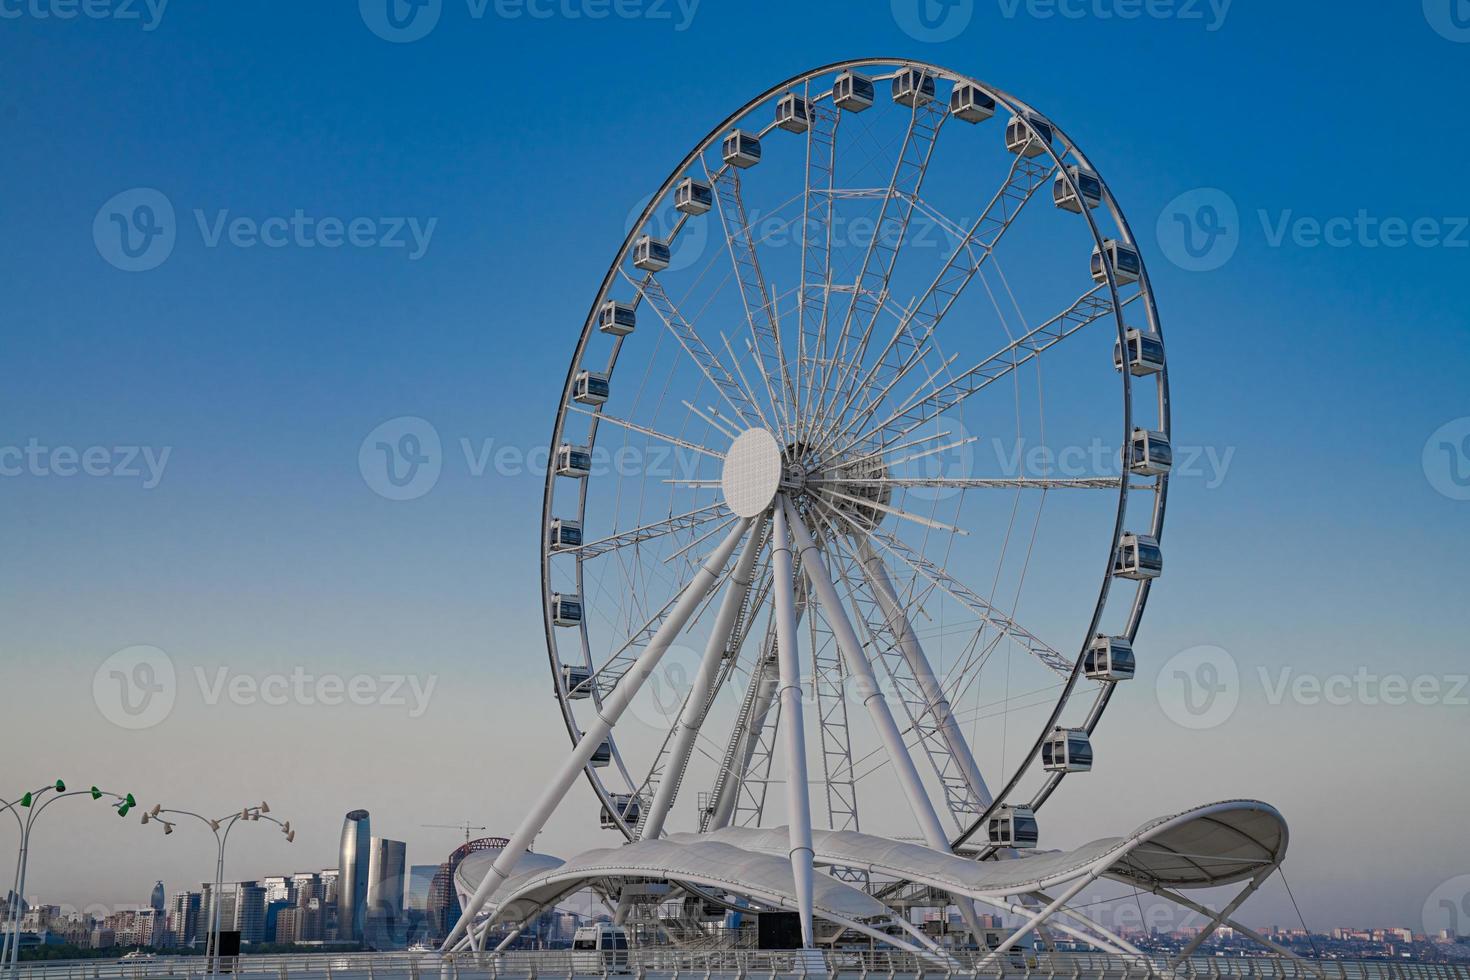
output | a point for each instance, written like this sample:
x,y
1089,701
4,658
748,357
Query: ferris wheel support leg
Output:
x,y
867,684
1040,917
913,654
692,716
798,798
612,709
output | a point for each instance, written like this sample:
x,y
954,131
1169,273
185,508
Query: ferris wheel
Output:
x,y
858,475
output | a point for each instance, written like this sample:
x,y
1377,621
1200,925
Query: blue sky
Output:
x,y
504,150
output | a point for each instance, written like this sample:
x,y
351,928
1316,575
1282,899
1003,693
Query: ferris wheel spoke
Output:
x,y
907,345
687,521
961,593
926,405
650,431
755,296
714,371
870,288
973,483
816,253
933,525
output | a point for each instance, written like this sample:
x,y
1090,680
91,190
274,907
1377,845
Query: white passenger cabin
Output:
x,y
1138,558
1083,189
1149,453
1109,658
1123,259
565,534
650,254
577,679
794,113
741,149
968,102
852,91
1028,136
566,610
599,949
693,197
913,87
630,807
1067,750
573,461
1013,826
616,319
590,388
1145,352
601,756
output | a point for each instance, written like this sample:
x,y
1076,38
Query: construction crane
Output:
x,y
464,826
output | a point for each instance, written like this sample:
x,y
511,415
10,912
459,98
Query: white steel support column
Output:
x,y
709,668
798,799
913,654
867,684
1041,916
612,709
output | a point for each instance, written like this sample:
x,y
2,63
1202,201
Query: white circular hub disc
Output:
x,y
752,473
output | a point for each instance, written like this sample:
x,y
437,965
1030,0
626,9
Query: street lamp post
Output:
x,y
35,803
221,828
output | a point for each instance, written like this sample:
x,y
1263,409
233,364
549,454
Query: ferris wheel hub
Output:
x,y
752,472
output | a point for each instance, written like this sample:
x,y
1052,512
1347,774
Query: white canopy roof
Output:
x,y
1203,847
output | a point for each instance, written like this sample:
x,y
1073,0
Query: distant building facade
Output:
x,y
352,885
387,862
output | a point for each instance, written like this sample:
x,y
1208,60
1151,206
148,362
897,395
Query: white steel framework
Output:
x,y
809,380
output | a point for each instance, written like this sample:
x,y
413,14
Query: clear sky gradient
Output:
x,y
517,145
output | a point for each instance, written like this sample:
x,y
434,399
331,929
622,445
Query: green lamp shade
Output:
x,y
96,793
26,800
60,786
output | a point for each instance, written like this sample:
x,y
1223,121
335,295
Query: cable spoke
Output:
x,y
709,365
648,431
764,330
1024,177
647,532
924,406
973,483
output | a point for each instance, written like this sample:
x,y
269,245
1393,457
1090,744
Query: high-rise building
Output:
x,y
243,910
306,885
183,918
386,862
352,885
420,880
277,888
156,900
